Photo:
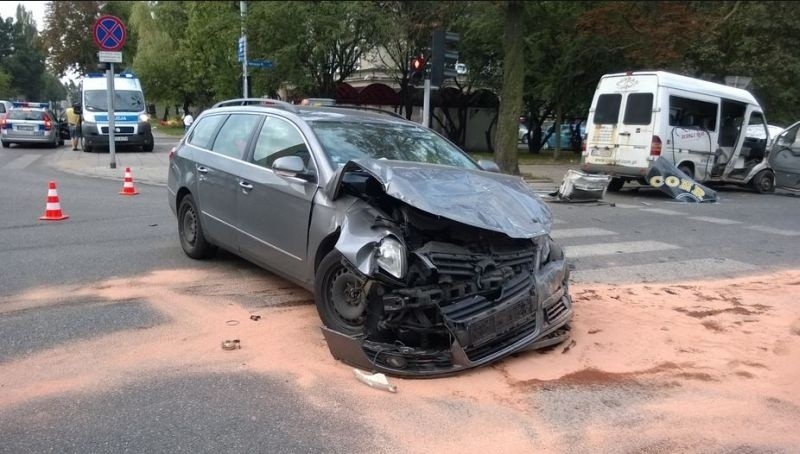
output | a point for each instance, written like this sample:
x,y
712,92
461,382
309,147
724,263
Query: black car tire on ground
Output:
x,y
148,147
764,182
616,184
190,231
84,147
339,295
5,144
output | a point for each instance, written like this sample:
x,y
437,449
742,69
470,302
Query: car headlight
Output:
x,y
144,117
391,257
544,249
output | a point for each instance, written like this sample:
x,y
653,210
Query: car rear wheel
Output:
x,y
193,241
764,182
616,184
340,296
6,144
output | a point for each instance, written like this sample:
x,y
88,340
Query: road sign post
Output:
x,y
109,34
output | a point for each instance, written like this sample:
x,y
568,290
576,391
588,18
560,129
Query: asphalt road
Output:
x,y
53,309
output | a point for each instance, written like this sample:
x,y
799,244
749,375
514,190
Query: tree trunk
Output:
x,y
511,92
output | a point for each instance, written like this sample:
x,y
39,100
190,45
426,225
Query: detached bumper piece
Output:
x,y
531,312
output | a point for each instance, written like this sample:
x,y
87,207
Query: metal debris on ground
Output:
x,y
581,187
231,344
255,318
568,347
377,381
232,322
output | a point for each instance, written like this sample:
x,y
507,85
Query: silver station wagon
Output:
x,y
422,261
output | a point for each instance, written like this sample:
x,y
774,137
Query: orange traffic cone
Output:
x,y
127,186
52,211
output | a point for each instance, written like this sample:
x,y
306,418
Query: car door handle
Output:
x,y
624,133
245,185
202,169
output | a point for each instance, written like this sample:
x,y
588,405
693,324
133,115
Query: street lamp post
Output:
x,y
243,12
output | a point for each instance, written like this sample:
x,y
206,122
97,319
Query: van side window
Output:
x,y
234,135
607,110
691,113
204,131
639,109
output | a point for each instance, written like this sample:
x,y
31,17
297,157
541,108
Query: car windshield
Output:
x,y
30,115
124,101
399,142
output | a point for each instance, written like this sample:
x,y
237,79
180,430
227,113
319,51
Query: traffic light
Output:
x,y
444,56
416,69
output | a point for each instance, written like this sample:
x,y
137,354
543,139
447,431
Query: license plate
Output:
x,y
24,128
601,153
120,138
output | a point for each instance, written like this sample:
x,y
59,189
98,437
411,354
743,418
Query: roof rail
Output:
x,y
371,109
257,101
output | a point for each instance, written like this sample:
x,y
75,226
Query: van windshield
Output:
x,y
124,101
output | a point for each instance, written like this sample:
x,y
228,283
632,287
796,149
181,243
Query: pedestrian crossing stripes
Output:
x,y
21,162
628,247
662,272
720,221
577,233
765,229
663,211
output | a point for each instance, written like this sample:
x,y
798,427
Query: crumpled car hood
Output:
x,y
491,201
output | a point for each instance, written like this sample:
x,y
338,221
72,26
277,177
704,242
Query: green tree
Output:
x,y
157,62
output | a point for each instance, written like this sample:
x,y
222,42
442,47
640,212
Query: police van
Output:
x,y
711,132
131,121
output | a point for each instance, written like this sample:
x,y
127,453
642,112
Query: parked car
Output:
x,y
784,158
5,106
30,123
523,135
566,137
421,261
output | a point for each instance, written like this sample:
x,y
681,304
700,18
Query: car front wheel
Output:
x,y
193,241
616,184
340,296
764,182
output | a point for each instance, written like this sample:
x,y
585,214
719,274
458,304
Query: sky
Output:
x,y
9,9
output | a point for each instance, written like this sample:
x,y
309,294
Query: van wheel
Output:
x,y
616,184
685,168
5,144
764,182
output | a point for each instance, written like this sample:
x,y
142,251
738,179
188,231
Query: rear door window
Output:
x,y
235,134
639,109
204,131
607,110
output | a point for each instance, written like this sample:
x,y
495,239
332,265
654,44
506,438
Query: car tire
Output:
x,y
616,184
687,170
149,147
6,144
764,182
190,231
339,295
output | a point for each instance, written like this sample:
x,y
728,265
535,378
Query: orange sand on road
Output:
x,y
702,366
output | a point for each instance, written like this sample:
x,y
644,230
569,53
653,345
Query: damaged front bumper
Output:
x,y
532,312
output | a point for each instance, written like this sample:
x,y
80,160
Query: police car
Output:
x,y
30,122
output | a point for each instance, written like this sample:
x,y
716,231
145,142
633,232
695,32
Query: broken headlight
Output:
x,y
391,257
544,249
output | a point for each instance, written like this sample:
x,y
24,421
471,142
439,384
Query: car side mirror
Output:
x,y
291,166
489,166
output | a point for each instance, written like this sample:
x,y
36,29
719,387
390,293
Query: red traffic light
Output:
x,y
417,64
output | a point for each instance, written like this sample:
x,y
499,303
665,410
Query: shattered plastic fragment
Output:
x,y
231,344
255,318
377,381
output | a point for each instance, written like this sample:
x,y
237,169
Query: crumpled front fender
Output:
x,y
361,234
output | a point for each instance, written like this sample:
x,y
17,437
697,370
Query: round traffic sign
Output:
x,y
109,33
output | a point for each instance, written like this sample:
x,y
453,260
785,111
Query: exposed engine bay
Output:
x,y
434,295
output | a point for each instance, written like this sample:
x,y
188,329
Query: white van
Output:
x,y
131,122
636,117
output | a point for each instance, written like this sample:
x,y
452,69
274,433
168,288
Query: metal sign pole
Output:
x,y
243,11
426,104
110,98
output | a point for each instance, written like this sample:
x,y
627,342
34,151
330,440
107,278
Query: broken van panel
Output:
x,y
473,291
676,184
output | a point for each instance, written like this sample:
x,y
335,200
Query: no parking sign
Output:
x,y
109,33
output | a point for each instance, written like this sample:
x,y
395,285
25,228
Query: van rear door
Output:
x,y
622,123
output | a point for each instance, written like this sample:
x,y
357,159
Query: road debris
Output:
x,y
231,344
569,346
255,318
581,187
377,381
232,322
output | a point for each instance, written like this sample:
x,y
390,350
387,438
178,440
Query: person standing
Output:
x,y
74,115
188,119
